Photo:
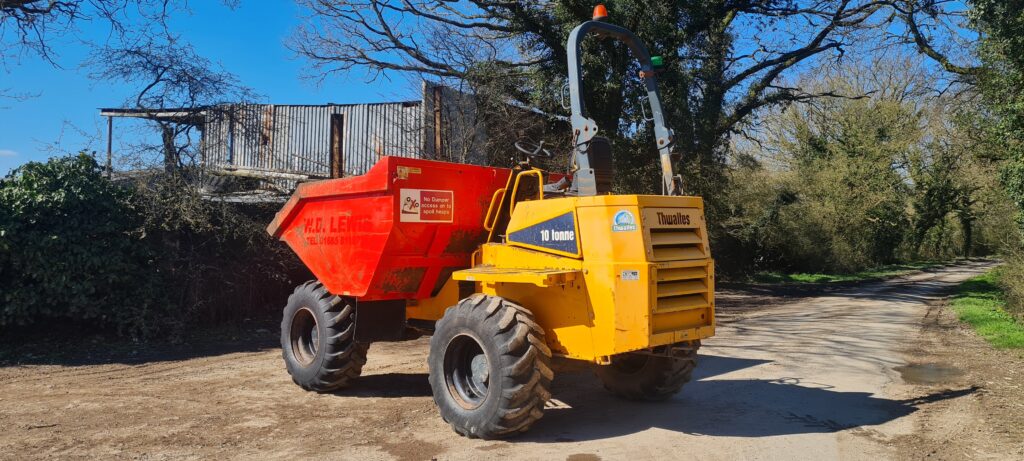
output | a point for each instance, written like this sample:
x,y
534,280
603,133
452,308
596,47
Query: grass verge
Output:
x,y
980,303
894,270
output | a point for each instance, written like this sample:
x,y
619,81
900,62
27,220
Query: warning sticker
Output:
x,y
421,205
630,276
405,171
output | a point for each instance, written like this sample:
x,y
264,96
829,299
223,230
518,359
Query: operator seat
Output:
x,y
599,153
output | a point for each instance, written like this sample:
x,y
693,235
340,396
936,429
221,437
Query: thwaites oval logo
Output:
x,y
623,221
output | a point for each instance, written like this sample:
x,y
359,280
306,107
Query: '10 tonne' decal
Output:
x,y
558,233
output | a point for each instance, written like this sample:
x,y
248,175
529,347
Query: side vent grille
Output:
x,y
677,245
682,288
669,244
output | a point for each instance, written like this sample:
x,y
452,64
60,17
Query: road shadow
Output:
x,y
389,385
714,365
395,385
581,410
906,291
56,348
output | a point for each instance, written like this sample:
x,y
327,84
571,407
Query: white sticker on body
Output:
x,y
421,205
630,276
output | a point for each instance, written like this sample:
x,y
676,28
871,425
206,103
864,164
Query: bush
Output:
x,y
845,185
1011,279
981,302
830,215
218,257
138,261
72,247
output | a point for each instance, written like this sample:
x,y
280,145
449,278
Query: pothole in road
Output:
x,y
928,373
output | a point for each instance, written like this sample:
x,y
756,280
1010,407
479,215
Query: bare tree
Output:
x,y
30,26
725,59
177,89
939,29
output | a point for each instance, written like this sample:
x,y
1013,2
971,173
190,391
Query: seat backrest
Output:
x,y
599,153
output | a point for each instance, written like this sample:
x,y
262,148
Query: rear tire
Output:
x,y
318,339
636,376
490,369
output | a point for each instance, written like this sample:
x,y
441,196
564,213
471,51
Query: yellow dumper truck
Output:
x,y
505,269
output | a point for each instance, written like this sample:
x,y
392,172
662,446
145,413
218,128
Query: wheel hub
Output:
x,y
467,371
479,367
305,336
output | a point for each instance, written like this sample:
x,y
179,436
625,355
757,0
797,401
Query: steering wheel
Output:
x,y
531,149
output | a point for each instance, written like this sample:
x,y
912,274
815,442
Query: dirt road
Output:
x,y
810,378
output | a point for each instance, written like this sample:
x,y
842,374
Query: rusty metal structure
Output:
x,y
285,144
293,141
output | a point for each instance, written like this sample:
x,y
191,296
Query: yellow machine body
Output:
x,y
559,266
603,275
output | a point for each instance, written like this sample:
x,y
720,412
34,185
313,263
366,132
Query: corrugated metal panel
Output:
x,y
453,131
298,138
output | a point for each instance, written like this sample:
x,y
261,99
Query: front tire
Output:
x,y
490,369
652,376
318,339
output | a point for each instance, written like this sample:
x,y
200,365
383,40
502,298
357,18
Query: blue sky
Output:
x,y
247,41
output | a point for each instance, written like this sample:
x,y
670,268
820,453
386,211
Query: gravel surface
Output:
x,y
799,374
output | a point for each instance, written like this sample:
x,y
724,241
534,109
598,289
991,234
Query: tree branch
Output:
x,y
924,44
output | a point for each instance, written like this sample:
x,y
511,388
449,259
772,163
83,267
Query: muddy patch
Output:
x,y
493,446
412,450
987,422
583,457
929,373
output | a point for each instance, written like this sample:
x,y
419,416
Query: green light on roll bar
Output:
x,y
657,61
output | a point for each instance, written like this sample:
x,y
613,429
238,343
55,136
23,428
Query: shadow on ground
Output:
x,y
583,411
389,385
57,347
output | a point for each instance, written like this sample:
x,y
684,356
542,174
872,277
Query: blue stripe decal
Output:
x,y
558,233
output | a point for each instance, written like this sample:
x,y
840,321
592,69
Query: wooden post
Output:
x,y
337,160
110,141
438,121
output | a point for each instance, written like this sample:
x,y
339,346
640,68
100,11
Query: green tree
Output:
x,y
848,204
1001,119
845,184
1002,84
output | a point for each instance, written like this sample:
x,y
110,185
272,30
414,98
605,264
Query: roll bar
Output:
x,y
584,128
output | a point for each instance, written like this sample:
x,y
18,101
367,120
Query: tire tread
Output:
x,y
661,378
343,358
526,361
